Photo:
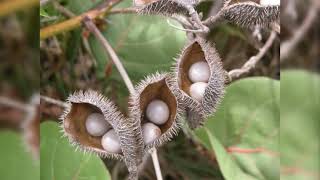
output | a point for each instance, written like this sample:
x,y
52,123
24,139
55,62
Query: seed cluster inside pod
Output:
x,y
200,93
97,126
194,72
121,140
160,94
75,123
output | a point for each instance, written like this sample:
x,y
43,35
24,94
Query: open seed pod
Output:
x,y
251,14
155,88
80,106
199,50
165,7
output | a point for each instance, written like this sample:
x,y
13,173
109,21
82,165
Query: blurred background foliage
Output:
x,y
19,80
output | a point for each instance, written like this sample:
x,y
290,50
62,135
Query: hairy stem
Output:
x,y
251,63
156,163
53,101
113,56
289,45
5,101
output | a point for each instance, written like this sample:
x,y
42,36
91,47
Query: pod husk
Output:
x,y
80,105
156,87
199,50
251,14
166,7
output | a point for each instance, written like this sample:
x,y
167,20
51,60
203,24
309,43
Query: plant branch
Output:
x,y
8,7
54,101
5,101
251,63
213,19
289,45
75,22
156,163
113,56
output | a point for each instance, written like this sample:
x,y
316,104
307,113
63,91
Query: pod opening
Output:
x,y
75,124
192,54
158,91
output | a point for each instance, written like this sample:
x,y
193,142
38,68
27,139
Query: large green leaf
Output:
x,y
145,44
16,162
247,122
59,160
228,167
300,125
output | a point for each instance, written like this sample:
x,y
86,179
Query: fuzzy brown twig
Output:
x,y
290,44
113,56
251,63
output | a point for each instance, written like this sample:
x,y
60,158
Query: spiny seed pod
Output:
x,y
80,106
154,92
199,50
250,14
165,7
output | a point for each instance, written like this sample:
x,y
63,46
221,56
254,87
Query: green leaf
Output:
x,y
145,44
59,160
43,13
300,125
248,119
228,167
16,162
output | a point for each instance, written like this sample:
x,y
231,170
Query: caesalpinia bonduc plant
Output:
x,y
158,103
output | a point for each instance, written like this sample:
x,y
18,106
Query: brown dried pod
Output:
x,y
80,106
170,8
155,88
199,50
165,7
251,14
